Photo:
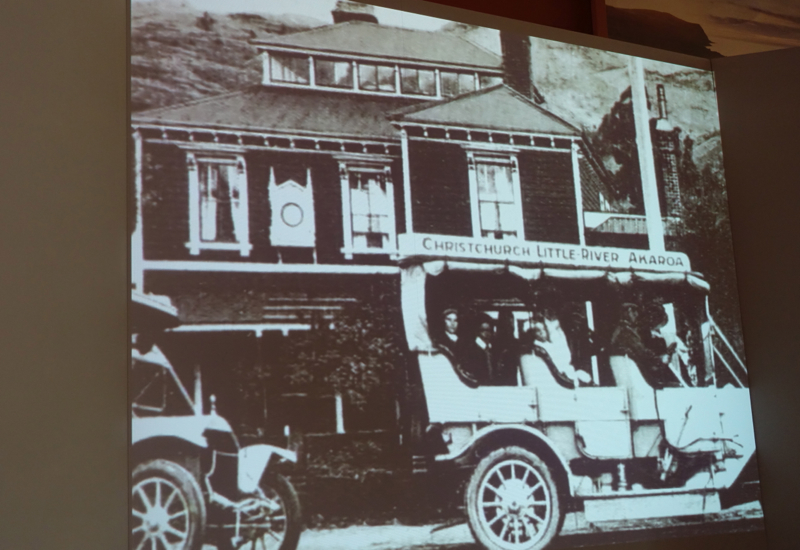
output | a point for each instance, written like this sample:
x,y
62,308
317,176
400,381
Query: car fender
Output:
x,y
189,428
492,431
253,461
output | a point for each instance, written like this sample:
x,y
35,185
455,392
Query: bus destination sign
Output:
x,y
531,252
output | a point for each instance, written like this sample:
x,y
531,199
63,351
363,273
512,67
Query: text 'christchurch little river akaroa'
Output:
x,y
528,252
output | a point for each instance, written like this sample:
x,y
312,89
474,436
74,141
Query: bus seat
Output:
x,y
641,396
537,369
447,397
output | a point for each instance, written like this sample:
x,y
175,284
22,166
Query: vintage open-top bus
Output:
x,y
603,391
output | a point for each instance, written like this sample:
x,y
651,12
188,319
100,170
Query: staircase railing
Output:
x,y
716,335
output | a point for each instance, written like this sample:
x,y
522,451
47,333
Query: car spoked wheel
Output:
x,y
512,501
269,521
167,509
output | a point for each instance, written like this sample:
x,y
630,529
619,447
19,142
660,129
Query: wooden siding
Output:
x,y
165,202
440,189
166,207
548,197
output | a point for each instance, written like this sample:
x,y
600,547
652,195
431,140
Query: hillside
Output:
x,y
582,85
179,54
658,30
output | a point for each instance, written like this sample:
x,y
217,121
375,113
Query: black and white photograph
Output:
x,y
400,282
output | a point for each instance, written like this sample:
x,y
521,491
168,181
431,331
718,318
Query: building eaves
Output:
x,y
305,111
496,108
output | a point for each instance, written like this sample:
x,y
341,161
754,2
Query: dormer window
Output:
x,y
376,77
454,83
337,74
292,69
417,81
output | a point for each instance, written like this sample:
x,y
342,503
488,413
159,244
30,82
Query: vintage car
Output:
x,y
576,424
191,481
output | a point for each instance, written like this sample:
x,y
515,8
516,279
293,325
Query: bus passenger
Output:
x,y
478,355
644,346
507,351
449,340
551,337
452,346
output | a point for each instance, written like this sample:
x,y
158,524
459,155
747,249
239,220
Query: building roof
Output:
x,y
308,111
373,40
495,108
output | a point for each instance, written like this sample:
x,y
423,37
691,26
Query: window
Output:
x,y
376,77
417,81
487,80
217,204
289,68
338,74
368,209
454,84
496,196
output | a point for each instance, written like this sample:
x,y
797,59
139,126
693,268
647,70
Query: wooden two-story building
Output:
x,y
268,213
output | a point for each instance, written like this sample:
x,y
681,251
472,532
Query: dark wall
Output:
x,y
441,197
440,189
548,197
760,117
165,202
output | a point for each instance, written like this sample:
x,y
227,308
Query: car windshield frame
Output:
x,y
181,403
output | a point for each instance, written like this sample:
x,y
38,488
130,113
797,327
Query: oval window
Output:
x,y
292,214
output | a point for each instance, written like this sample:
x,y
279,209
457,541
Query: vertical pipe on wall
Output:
x,y
347,219
406,181
576,179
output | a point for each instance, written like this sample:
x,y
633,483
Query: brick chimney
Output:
x,y
667,143
518,73
353,11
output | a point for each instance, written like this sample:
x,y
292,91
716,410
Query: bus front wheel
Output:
x,y
513,502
